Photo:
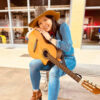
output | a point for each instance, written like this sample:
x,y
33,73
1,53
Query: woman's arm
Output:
x,y
66,42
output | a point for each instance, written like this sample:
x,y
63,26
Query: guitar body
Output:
x,y
37,44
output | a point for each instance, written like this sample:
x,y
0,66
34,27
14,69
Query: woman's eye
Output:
x,y
40,23
45,19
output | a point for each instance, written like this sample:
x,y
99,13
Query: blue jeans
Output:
x,y
54,74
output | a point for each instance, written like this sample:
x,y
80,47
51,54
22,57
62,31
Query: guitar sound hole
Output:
x,y
45,53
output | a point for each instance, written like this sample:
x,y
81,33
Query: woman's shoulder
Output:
x,y
64,25
27,34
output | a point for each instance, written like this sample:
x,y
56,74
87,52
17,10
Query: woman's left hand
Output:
x,y
44,33
47,36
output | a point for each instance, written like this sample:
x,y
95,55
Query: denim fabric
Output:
x,y
55,73
66,43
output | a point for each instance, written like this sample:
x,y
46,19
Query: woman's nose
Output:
x,y
43,24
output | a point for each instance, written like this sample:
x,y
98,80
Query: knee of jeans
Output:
x,y
32,66
73,65
54,72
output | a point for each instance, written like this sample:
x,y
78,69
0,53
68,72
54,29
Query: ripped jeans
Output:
x,y
54,74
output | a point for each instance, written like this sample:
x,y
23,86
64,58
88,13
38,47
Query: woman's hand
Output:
x,y
46,35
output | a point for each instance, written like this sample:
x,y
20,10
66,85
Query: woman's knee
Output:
x,y
34,65
54,72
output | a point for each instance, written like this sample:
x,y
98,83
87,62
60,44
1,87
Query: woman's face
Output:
x,y
45,23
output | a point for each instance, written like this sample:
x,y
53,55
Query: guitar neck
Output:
x,y
64,68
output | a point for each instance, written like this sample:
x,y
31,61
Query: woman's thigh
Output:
x,y
38,65
70,62
56,72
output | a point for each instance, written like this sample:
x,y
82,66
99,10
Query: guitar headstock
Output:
x,y
89,86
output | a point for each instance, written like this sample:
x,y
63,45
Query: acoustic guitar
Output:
x,y
38,45
39,48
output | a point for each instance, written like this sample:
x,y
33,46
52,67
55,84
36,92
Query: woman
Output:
x,y
59,36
